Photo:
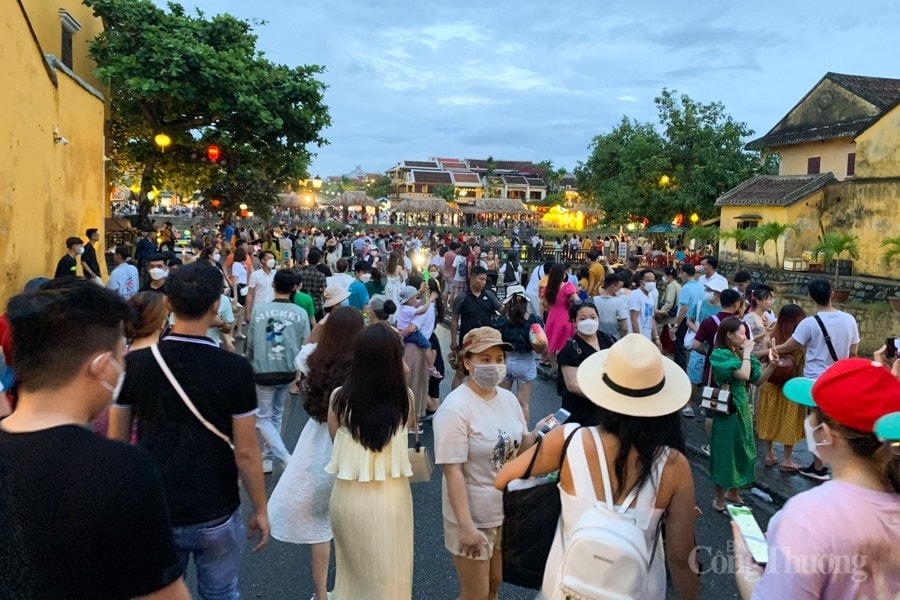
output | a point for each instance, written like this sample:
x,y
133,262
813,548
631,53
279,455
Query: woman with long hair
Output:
x,y
632,459
371,505
239,279
777,418
850,521
559,297
298,508
732,445
761,302
395,278
515,329
437,316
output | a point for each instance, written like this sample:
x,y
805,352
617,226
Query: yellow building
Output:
x,y
52,124
839,151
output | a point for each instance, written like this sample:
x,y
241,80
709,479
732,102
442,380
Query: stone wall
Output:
x,y
863,289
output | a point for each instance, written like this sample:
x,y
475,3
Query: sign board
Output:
x,y
623,251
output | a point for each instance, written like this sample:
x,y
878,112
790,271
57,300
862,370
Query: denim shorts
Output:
x,y
696,362
418,338
520,367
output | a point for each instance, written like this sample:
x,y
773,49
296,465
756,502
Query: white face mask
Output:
x,y
811,442
80,250
270,263
488,376
217,257
365,277
117,389
587,326
156,274
650,286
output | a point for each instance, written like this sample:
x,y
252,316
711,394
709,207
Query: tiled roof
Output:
x,y
452,164
466,179
514,180
774,190
501,165
436,177
568,182
786,137
880,91
420,164
533,182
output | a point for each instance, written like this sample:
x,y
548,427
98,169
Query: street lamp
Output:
x,y
243,206
163,141
694,218
317,182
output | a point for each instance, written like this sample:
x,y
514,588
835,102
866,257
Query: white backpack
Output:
x,y
606,557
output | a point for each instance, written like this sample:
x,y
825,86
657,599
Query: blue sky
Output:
x,y
537,80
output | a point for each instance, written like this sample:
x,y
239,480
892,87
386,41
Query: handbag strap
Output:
x,y
607,487
184,397
412,402
537,448
827,338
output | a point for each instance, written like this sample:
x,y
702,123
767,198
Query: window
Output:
x,y
814,165
750,245
851,164
69,28
420,189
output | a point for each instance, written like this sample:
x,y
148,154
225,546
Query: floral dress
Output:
x,y
732,447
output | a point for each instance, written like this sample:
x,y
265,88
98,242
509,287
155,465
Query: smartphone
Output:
x,y
891,347
750,531
558,418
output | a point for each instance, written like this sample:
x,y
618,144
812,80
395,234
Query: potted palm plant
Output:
x,y
832,246
891,253
773,231
740,237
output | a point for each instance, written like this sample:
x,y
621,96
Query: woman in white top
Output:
x,y
239,278
635,455
477,428
371,505
395,279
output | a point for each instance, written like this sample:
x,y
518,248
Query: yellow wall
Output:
x,y
48,191
833,153
879,147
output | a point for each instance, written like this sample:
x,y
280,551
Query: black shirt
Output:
x,y
475,311
81,517
573,354
148,288
89,258
66,267
198,470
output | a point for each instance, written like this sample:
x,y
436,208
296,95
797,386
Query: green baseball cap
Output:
x,y
799,390
887,428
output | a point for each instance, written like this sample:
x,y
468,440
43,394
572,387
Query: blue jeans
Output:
x,y
271,399
217,547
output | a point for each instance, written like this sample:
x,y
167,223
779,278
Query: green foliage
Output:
x,y
200,81
892,250
379,188
447,192
773,231
703,234
700,149
832,245
740,237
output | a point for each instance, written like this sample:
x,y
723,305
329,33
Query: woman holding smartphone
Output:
x,y
587,340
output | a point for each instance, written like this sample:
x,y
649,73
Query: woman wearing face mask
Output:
x,y
477,429
587,340
732,445
844,532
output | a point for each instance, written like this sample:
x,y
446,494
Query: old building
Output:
x,y
51,136
839,151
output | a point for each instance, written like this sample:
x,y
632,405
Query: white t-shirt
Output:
x,y
843,331
704,280
645,305
261,284
226,313
481,435
341,280
534,281
124,280
425,322
612,310
459,260
239,273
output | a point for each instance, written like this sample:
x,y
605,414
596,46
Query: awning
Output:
x,y
748,218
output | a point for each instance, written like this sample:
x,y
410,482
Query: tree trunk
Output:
x,y
145,205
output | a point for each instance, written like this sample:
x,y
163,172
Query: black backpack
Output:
x,y
509,276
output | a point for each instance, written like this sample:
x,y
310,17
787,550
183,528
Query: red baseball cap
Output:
x,y
855,392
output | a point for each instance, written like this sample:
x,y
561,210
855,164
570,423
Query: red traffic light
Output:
x,y
212,153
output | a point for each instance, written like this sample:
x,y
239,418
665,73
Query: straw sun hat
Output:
x,y
632,378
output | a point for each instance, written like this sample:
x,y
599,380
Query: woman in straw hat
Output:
x,y
477,429
840,539
637,448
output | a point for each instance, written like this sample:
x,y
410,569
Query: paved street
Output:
x,y
282,570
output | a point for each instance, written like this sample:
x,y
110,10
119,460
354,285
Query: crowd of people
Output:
x,y
182,364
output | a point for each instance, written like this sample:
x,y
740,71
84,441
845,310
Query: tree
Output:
x,y
773,231
695,156
491,182
740,237
447,192
379,188
201,81
833,245
702,234
891,247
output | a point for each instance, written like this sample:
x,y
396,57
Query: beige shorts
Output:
x,y
493,535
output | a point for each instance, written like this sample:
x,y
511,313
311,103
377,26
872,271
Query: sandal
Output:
x,y
771,461
789,468
718,509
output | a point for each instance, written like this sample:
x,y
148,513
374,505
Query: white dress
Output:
x,y
646,514
393,285
298,508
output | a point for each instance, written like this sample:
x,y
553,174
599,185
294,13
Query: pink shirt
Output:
x,y
836,542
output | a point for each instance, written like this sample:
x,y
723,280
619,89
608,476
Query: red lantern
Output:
x,y
212,153
216,202
244,213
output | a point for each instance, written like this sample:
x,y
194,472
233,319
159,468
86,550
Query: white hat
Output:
x,y
513,290
407,293
334,295
633,378
717,284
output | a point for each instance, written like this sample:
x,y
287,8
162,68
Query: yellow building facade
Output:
x,y
51,137
839,151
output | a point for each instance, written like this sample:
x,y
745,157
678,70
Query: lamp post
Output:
x,y
694,218
163,141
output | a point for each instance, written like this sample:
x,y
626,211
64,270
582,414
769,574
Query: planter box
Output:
x,y
795,264
845,267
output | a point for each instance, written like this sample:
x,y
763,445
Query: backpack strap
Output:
x,y
607,486
831,351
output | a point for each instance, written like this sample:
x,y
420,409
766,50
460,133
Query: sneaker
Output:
x,y
687,411
822,474
705,449
267,465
